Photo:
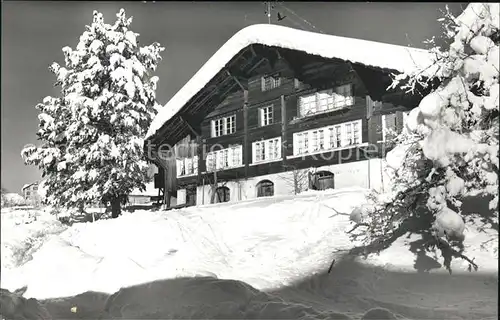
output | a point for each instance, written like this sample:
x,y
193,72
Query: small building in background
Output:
x,y
152,194
30,193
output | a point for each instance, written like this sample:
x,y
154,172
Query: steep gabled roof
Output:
x,y
28,185
368,53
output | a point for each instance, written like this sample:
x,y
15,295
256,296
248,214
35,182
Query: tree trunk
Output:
x,y
115,208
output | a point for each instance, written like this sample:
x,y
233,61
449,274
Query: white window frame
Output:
x,y
223,159
187,166
331,134
326,100
266,115
223,126
266,150
270,82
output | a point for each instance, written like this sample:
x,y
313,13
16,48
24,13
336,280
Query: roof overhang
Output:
x,y
226,70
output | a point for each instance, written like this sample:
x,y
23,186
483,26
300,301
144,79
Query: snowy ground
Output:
x,y
280,248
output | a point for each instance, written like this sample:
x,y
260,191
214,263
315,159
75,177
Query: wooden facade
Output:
x,y
237,90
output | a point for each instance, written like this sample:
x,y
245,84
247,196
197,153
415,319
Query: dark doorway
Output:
x,y
322,180
222,194
265,188
191,196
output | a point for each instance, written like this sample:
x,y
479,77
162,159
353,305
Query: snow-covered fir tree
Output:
x,y
92,147
449,148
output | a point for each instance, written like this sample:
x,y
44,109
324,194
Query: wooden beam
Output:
x,y
284,127
278,54
236,80
295,69
255,66
245,134
196,133
253,50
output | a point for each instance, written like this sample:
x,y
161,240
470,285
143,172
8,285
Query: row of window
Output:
x,y
224,158
326,100
224,126
266,150
306,142
318,102
327,138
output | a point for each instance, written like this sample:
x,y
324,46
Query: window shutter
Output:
x,y
343,135
399,122
369,107
195,164
213,128
360,130
254,152
230,157
262,84
279,144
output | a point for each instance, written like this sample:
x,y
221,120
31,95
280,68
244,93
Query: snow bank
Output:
x,y
267,243
381,55
23,232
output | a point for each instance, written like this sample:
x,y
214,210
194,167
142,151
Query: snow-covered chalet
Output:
x,y
277,111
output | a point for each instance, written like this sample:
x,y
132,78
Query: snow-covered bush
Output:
x,y
92,133
449,148
12,200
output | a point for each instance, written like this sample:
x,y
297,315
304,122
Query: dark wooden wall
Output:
x,y
316,75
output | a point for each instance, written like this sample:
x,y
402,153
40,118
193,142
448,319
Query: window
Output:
x,y
392,125
332,138
356,133
341,135
266,150
326,100
315,140
211,162
307,105
236,155
338,136
321,139
322,180
298,84
224,159
266,115
219,127
258,154
306,143
223,126
222,194
270,82
265,188
343,96
349,138
300,143
187,166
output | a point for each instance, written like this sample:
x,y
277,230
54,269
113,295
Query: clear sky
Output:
x,y
33,34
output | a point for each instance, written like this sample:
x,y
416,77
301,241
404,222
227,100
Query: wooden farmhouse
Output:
x,y
277,111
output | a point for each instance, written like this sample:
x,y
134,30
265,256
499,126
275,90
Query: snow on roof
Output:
x,y
28,185
369,53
